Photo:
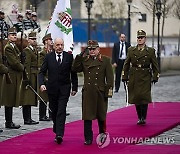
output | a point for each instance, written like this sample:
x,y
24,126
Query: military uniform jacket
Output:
x,y
5,28
11,92
140,68
19,26
28,24
98,79
31,65
43,94
36,26
3,70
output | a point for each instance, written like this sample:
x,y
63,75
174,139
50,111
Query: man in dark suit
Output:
x,y
60,77
119,54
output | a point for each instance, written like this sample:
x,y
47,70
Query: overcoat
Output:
x,y
140,69
11,92
43,94
98,79
31,65
3,70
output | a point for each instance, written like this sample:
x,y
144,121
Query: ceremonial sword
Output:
x,y
28,86
126,90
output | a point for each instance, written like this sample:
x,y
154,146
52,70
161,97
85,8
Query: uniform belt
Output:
x,y
141,66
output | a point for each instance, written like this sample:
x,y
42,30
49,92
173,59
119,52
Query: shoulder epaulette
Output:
x,y
132,48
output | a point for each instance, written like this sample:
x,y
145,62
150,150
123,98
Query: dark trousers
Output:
x,y
58,104
26,110
118,72
42,110
8,114
142,111
88,133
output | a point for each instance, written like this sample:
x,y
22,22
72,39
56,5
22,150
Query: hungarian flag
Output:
x,y
60,25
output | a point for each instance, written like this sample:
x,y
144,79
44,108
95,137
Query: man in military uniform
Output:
x,y
3,26
139,71
98,82
19,25
36,25
29,98
48,47
3,70
11,92
28,21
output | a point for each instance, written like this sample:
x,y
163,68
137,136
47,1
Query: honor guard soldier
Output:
x,y
48,47
11,92
28,21
3,26
139,71
19,25
98,85
36,25
29,98
3,70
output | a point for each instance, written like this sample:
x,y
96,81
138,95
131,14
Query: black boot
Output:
x,y
139,113
144,113
27,115
102,126
42,111
88,133
8,117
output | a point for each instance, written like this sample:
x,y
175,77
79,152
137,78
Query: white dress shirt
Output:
x,y
123,51
57,57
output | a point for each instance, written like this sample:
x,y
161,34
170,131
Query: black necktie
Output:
x,y
59,59
122,45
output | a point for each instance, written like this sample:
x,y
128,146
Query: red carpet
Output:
x,y
121,124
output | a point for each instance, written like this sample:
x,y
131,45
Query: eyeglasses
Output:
x,y
140,37
91,48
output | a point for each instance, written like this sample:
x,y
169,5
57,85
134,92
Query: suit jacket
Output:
x,y
115,51
58,76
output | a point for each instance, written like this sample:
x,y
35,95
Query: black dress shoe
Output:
x,y
143,121
88,142
12,125
1,130
30,122
34,122
58,139
67,114
45,118
139,122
